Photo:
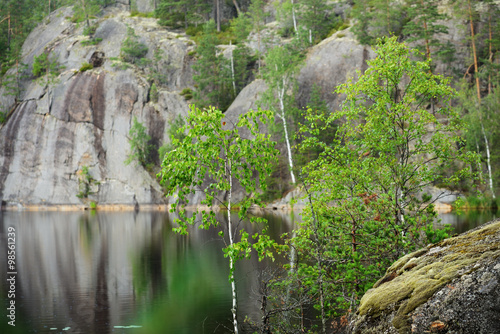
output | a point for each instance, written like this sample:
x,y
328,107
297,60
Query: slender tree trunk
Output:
x,y
217,16
238,10
281,96
478,91
231,242
294,19
474,53
488,160
490,58
427,46
322,296
9,34
232,69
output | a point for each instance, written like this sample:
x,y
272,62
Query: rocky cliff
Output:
x,y
82,119
62,130
449,287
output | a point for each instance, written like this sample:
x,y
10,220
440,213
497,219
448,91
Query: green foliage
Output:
x,y
435,235
241,27
214,149
187,93
153,93
212,72
89,31
85,67
181,13
381,158
175,133
11,82
83,11
42,65
377,18
156,67
136,13
93,205
422,26
92,41
132,50
140,148
3,117
317,17
85,183
282,63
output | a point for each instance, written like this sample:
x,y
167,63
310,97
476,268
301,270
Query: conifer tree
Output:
x,y
213,78
377,18
422,25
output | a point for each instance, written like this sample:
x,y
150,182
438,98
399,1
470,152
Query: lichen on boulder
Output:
x,y
442,276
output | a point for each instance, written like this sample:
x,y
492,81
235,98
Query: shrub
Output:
x,y
132,51
139,145
187,93
93,41
85,67
85,182
153,93
42,64
89,30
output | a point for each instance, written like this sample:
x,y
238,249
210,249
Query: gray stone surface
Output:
x,y
331,63
449,287
83,118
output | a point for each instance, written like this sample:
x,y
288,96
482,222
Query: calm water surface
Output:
x,y
95,273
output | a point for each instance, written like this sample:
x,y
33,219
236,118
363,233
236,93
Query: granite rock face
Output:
x,y
331,63
83,119
449,287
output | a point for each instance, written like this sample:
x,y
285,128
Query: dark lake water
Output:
x,y
83,272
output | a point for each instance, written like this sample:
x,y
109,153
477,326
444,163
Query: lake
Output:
x,y
126,272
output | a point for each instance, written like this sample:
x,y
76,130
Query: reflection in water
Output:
x,y
467,220
92,272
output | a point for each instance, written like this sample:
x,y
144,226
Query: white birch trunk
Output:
x,y
231,262
232,69
281,96
488,160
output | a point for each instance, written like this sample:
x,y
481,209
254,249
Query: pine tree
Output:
x,y
213,77
377,18
422,25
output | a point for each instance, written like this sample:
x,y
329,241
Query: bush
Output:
x,y
85,67
85,182
187,93
153,93
139,145
93,41
136,13
194,30
132,51
89,31
42,64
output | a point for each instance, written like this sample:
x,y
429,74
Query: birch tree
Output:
x,y
282,64
212,159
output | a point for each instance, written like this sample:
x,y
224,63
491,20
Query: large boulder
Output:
x,y
331,63
448,287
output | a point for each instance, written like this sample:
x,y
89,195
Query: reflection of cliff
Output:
x,y
92,272
74,269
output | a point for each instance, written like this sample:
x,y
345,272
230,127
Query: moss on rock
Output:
x,y
415,278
